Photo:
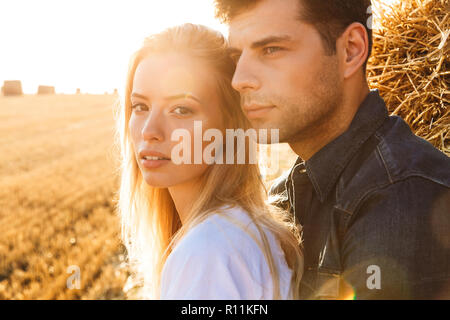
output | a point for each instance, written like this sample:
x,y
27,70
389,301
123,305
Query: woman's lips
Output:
x,y
153,164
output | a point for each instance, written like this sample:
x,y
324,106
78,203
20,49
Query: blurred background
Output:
x,y
84,44
62,70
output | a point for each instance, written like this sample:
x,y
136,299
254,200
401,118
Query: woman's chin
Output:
x,y
158,183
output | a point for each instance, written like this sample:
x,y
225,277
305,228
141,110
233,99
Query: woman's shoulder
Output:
x,y
223,233
207,264
220,259
229,234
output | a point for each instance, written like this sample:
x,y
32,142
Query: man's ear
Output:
x,y
353,47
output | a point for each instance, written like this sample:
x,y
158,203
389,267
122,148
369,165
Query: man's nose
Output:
x,y
153,126
245,77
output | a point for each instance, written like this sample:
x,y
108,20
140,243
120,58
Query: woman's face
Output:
x,y
171,91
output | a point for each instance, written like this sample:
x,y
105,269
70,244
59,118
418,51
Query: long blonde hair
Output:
x,y
150,226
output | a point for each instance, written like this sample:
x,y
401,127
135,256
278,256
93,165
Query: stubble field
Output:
x,y
59,235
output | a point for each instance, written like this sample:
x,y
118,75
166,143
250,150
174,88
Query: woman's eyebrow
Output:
x,y
138,95
172,97
183,96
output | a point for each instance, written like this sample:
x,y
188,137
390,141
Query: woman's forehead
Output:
x,y
170,74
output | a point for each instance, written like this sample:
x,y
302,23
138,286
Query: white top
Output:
x,y
218,260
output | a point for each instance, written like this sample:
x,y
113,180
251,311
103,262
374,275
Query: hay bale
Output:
x,y
410,65
46,90
12,88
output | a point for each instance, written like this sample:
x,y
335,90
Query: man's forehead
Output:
x,y
270,18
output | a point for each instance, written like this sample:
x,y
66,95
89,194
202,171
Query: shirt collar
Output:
x,y
325,166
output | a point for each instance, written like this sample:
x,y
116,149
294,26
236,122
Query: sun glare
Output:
x,y
84,44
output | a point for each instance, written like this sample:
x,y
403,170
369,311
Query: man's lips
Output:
x,y
257,111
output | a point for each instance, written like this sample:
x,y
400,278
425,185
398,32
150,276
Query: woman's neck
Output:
x,y
183,196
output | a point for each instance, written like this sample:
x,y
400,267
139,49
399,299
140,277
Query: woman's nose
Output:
x,y
153,126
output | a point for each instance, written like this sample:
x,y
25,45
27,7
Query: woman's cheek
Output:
x,y
132,130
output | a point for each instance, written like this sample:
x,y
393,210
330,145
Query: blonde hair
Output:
x,y
150,226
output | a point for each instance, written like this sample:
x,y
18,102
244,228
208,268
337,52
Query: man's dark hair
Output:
x,y
329,17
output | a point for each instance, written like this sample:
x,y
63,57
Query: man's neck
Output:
x,y
306,146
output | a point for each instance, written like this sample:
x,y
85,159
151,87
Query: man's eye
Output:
x,y
139,107
270,50
181,110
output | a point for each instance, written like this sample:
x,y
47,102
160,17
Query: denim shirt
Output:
x,y
373,205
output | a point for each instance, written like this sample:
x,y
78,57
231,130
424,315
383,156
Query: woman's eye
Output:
x,y
270,50
182,111
139,107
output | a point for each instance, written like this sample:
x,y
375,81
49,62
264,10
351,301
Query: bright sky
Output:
x,y
84,44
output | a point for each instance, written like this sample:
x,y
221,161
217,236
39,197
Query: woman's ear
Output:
x,y
353,46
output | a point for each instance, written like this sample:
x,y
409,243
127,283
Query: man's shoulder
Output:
x,y
404,154
390,157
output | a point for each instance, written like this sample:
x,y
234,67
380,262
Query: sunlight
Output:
x,y
84,44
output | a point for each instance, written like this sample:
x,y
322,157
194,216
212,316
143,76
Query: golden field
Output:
x,y
57,184
58,178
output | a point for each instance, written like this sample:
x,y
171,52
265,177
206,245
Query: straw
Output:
x,y
410,65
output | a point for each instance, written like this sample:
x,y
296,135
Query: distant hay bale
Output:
x,y
410,65
46,90
12,88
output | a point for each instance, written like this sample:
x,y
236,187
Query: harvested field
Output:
x,y
57,183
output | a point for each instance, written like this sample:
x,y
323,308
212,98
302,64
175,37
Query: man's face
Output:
x,y
285,78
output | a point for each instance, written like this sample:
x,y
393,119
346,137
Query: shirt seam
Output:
x,y
369,192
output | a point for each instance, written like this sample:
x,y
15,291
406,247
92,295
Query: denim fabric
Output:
x,y
374,206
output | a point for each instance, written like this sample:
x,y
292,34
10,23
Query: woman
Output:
x,y
196,231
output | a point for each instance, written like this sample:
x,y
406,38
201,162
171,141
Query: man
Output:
x,y
373,199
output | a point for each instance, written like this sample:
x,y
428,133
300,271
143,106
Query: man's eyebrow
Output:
x,y
265,41
261,43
